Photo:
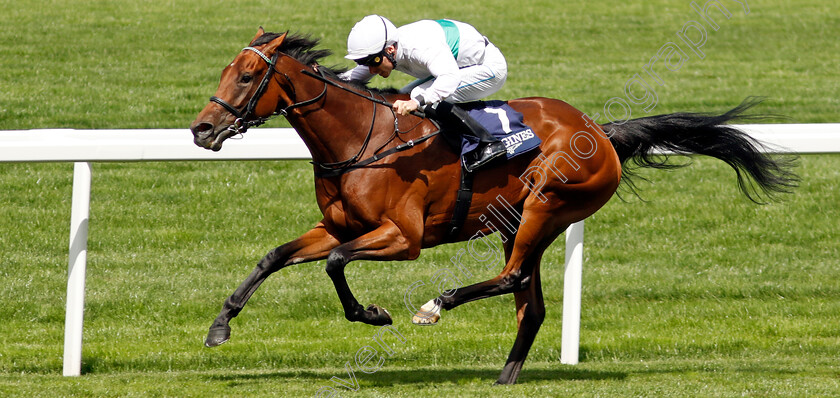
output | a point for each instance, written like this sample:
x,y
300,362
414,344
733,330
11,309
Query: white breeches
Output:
x,y
477,81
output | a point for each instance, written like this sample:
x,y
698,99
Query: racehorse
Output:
x,y
386,184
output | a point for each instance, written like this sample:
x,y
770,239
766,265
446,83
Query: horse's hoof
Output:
x,y
428,315
423,320
377,316
218,335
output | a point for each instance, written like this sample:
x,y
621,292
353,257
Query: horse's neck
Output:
x,y
335,129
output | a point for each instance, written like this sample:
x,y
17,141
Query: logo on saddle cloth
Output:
x,y
504,123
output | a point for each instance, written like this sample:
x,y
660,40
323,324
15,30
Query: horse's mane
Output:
x,y
302,48
298,46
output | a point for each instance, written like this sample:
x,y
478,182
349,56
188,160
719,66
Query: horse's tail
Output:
x,y
705,134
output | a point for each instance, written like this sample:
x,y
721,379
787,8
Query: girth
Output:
x,y
462,203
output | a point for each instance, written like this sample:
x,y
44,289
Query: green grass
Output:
x,y
682,296
693,292
153,64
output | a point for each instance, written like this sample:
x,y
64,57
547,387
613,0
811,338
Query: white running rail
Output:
x,y
85,146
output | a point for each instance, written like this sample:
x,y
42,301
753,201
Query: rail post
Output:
x,y
74,316
572,283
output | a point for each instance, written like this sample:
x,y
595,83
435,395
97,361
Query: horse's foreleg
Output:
x,y
385,243
311,246
530,312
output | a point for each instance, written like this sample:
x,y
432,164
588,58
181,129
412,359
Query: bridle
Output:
x,y
246,118
242,122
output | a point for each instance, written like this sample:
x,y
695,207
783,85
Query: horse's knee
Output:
x,y
336,262
266,263
274,260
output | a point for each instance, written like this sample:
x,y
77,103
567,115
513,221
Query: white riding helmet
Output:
x,y
370,36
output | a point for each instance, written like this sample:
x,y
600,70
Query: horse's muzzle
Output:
x,y
208,136
202,134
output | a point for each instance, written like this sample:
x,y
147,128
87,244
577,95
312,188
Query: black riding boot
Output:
x,y
455,117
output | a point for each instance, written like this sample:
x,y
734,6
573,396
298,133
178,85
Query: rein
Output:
x,y
321,77
242,124
339,168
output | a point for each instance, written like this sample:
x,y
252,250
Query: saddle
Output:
x,y
504,123
501,121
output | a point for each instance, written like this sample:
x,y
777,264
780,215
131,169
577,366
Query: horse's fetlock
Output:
x,y
445,302
355,315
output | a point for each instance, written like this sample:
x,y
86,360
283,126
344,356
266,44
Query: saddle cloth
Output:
x,y
504,123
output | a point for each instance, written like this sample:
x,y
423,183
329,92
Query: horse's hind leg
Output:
x,y
311,246
537,231
530,312
521,277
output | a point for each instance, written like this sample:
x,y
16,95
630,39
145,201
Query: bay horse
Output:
x,y
386,184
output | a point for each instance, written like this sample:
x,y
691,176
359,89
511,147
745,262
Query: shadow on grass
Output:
x,y
425,376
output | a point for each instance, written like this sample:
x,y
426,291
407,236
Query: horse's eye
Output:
x,y
246,79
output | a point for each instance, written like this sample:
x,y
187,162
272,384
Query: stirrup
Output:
x,y
485,155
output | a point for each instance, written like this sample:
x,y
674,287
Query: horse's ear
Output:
x,y
259,34
275,43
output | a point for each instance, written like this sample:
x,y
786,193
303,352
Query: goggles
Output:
x,y
372,60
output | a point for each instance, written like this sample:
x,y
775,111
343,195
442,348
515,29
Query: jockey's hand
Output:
x,y
406,107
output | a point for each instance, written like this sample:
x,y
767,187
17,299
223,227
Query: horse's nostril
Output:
x,y
201,128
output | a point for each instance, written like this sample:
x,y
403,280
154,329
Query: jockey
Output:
x,y
452,61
